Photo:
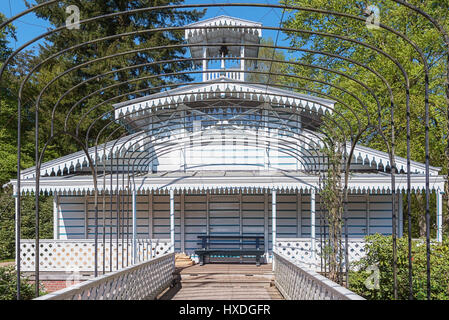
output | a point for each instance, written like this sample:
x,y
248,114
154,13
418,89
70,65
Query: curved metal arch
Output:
x,y
445,36
146,132
167,148
168,61
259,121
264,145
145,89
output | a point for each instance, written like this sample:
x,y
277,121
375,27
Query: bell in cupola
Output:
x,y
223,49
223,53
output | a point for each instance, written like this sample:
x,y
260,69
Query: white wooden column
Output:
x,y
86,217
368,215
182,199
242,62
172,219
266,149
150,221
55,216
312,222
16,223
134,217
207,213
298,215
273,220
150,215
401,214
439,194
273,223
265,222
240,213
204,64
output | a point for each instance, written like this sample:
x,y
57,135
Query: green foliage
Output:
x,y
332,197
20,66
379,252
8,285
356,112
7,227
267,72
131,74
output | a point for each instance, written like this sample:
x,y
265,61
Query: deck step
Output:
x,y
224,282
182,260
227,278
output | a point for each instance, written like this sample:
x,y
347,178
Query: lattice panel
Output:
x,y
300,251
78,255
298,283
142,281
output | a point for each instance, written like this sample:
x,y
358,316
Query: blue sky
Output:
x,y
29,26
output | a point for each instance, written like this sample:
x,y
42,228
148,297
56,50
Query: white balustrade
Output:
x,y
230,74
299,250
78,255
143,281
296,282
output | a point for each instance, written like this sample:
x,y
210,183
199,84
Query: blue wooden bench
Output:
x,y
247,246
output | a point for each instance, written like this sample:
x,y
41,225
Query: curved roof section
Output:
x,y
78,160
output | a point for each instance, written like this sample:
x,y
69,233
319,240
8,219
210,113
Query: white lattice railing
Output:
x,y
78,255
296,282
300,250
143,281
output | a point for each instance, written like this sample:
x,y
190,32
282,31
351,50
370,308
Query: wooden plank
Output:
x,y
224,282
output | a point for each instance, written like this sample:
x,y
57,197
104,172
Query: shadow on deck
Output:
x,y
223,282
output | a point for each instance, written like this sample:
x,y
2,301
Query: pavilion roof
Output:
x,y
67,165
224,182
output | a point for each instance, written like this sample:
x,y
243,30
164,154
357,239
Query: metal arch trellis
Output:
x,y
312,80
353,142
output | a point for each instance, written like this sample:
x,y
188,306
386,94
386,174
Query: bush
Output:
x,y
7,223
8,285
379,252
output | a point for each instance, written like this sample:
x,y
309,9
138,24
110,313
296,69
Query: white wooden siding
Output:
x,y
226,217
71,217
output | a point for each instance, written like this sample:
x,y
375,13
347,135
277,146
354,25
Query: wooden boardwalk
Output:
x,y
224,282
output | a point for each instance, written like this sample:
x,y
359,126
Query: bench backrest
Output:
x,y
242,242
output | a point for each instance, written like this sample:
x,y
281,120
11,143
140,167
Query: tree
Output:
x,y
267,72
8,285
152,74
